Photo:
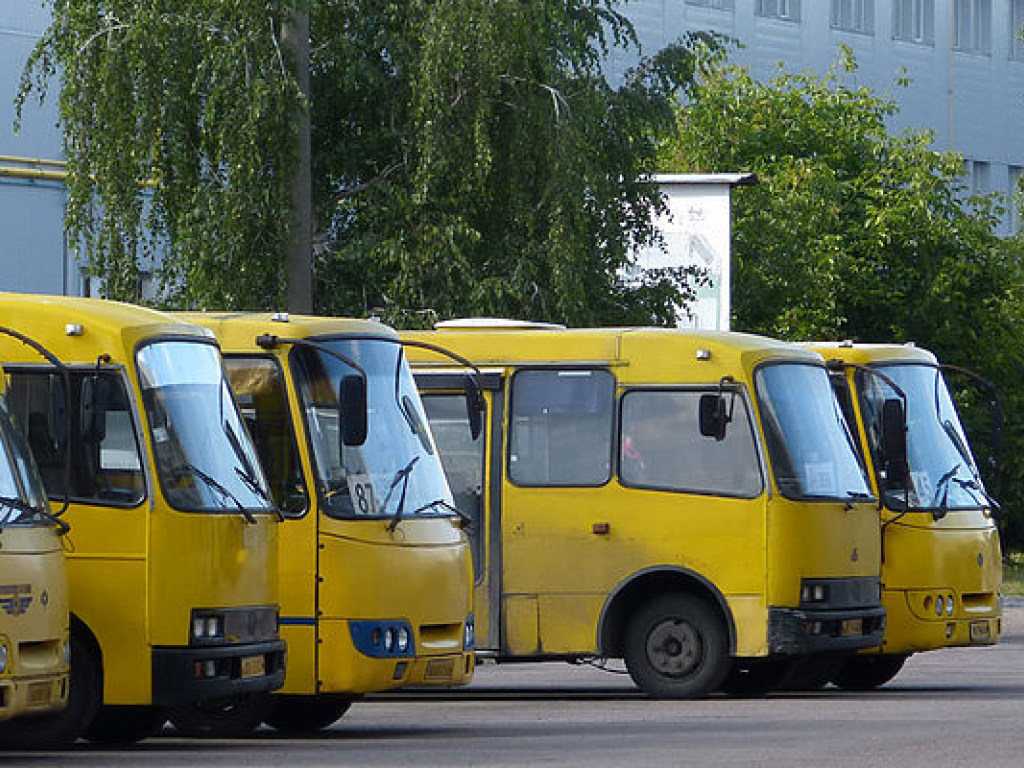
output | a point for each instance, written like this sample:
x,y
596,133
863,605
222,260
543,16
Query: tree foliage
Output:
x,y
470,156
179,139
855,233
484,164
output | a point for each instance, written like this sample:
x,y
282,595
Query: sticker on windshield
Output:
x,y
360,487
922,487
820,477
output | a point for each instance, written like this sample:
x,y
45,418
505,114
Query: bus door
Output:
x,y
469,465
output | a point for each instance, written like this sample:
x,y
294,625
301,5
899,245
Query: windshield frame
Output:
x,y
862,495
928,399
227,491
406,468
24,475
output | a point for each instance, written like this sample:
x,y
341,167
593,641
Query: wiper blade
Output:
x,y
444,505
215,485
19,505
246,473
401,477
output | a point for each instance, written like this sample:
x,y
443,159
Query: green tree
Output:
x,y
855,233
179,137
469,156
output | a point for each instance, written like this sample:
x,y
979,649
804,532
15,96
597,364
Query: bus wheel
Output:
x,y
221,718
865,673
676,648
115,725
62,729
306,714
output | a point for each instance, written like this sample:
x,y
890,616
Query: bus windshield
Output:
x,y
205,459
810,446
22,496
943,473
396,472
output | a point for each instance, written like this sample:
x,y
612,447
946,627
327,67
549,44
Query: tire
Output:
x,y
866,673
222,718
62,729
125,725
306,714
676,648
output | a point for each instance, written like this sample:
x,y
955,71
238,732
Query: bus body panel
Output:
x,y
33,621
556,560
334,571
928,556
138,571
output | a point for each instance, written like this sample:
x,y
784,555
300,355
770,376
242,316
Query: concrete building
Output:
x,y
964,58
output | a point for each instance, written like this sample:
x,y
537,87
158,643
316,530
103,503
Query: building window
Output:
x,y
853,16
1014,198
725,5
788,10
972,25
913,21
1016,28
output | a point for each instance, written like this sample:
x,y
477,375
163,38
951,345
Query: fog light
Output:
x,y
5,656
469,636
949,630
65,653
949,606
816,628
940,605
819,592
210,668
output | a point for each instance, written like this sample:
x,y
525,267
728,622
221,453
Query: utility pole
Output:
x,y
299,264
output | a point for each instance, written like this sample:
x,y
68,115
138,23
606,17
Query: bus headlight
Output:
x,y
207,627
389,639
65,653
949,605
469,636
403,639
5,656
940,605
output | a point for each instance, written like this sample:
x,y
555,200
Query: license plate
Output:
x,y
38,693
853,627
253,666
440,669
981,632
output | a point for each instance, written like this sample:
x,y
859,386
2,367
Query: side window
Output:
x,y
661,446
259,388
462,458
105,459
561,428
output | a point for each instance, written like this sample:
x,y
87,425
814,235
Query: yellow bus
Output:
x,y
172,553
376,583
941,561
34,646
690,502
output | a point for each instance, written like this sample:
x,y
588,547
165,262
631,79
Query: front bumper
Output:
x,y
182,675
793,631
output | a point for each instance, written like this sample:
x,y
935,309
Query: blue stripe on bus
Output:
x,y
297,621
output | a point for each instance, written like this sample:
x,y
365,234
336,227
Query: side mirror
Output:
x,y
474,407
95,402
894,443
352,410
713,418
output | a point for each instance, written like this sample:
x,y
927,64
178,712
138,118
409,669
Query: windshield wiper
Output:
x,y
939,510
246,473
215,485
401,476
18,505
444,505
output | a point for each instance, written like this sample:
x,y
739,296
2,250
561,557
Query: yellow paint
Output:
x,y
957,555
558,573
136,573
332,570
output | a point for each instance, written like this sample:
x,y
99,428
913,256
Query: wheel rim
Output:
x,y
674,648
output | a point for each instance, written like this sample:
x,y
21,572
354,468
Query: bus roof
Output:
x,y
651,353
865,354
77,329
237,331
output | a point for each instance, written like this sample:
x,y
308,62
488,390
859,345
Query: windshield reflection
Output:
x,y
22,497
811,448
205,459
396,473
943,474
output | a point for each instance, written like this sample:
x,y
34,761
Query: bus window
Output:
x,y
662,447
561,427
462,458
